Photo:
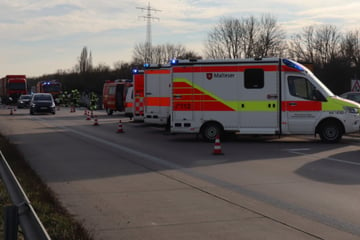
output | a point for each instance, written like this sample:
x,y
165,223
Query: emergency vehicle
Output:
x,y
114,95
256,96
52,86
138,101
11,87
157,87
129,101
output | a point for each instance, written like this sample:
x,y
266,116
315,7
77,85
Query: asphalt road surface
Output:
x,y
147,184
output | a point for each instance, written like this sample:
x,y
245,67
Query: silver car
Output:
x,y
354,96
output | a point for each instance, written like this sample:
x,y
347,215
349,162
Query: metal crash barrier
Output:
x,y
21,212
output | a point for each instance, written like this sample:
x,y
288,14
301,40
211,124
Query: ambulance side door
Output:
x,y
301,105
259,101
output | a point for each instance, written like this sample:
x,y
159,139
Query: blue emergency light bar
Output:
x,y
174,62
135,71
294,65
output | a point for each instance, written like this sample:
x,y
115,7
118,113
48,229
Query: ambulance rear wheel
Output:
x,y
210,130
330,132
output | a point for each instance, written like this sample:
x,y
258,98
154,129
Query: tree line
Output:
x,y
335,55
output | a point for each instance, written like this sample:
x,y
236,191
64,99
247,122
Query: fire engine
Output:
x,y
52,86
11,87
256,96
138,101
115,95
157,94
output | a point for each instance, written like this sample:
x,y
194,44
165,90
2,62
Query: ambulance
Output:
x,y
271,96
138,98
157,87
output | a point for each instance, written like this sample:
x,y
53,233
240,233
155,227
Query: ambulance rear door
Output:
x,y
182,103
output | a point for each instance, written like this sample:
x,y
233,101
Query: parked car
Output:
x,y
354,96
42,102
24,101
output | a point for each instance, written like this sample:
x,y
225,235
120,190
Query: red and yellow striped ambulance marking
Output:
x,y
191,97
157,101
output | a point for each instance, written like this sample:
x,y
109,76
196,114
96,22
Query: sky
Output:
x,y
43,36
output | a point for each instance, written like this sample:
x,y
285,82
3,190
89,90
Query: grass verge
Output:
x,y
59,223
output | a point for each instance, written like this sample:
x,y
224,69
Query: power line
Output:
x,y
148,17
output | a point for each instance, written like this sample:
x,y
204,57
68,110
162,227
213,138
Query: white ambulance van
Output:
x,y
256,96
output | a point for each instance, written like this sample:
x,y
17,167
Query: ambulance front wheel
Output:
x,y
210,130
330,132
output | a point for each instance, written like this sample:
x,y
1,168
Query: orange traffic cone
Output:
x,y
88,116
217,146
96,123
120,128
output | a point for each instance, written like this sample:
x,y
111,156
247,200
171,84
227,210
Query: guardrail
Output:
x,y
21,212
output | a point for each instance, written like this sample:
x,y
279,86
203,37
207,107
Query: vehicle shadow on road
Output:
x,y
333,169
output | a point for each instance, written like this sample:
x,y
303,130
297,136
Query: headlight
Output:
x,y
351,110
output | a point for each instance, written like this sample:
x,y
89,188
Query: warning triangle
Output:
x,y
356,86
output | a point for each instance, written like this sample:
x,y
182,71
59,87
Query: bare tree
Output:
x,y
350,48
302,46
327,43
270,38
319,45
249,35
246,37
84,61
160,54
224,41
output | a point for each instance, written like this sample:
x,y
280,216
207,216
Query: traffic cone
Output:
x,y
88,116
217,147
120,128
11,111
96,123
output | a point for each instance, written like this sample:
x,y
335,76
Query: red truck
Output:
x,y
114,95
11,87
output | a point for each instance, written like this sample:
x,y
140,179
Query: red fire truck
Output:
x,y
11,87
52,86
114,95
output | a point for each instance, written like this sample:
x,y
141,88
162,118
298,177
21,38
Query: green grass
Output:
x,y
58,222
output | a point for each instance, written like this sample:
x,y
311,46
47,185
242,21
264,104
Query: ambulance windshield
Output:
x,y
305,70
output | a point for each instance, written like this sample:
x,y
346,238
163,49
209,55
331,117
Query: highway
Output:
x,y
148,184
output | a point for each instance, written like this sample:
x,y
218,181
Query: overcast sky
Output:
x,y
42,36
